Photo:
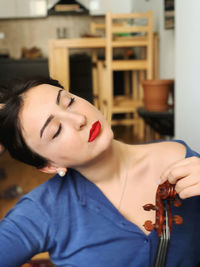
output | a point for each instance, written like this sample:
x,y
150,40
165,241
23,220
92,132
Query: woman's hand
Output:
x,y
186,175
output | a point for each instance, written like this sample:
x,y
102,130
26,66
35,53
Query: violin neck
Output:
x,y
161,254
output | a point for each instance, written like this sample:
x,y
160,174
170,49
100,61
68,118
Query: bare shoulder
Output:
x,y
156,157
168,151
171,147
161,153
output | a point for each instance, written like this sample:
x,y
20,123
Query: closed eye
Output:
x,y
60,126
58,131
71,101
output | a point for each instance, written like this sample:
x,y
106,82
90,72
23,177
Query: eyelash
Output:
x,y
58,131
60,126
71,101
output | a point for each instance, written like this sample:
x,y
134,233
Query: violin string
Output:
x,y
166,233
163,244
163,254
166,230
164,249
159,262
159,252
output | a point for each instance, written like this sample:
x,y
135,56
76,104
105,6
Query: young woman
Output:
x,y
91,213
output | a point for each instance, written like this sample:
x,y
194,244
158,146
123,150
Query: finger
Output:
x,y
177,173
183,162
170,168
191,191
186,182
181,169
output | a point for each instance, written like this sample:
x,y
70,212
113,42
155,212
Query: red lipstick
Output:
x,y
94,131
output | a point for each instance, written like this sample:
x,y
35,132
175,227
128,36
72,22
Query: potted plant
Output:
x,y
156,94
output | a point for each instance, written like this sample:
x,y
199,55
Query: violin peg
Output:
x,y
177,202
148,225
178,219
149,207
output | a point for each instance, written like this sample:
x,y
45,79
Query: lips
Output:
x,y
94,131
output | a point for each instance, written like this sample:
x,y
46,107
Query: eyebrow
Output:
x,y
51,116
45,125
58,96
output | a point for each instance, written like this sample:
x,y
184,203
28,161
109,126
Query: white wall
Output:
x,y
187,109
180,59
166,45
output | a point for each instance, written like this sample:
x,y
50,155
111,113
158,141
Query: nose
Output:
x,y
78,120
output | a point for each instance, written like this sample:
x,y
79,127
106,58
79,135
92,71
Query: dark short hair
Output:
x,y
10,130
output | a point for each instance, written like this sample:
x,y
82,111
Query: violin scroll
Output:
x,y
178,219
149,226
149,207
165,195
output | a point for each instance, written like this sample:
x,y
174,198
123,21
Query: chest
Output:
x,y
138,190
132,205
129,201
100,237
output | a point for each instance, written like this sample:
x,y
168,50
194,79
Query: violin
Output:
x,y
165,197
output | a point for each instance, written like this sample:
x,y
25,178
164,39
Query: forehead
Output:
x,y
37,106
41,96
40,92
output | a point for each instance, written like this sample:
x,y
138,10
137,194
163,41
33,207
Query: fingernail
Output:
x,y
159,181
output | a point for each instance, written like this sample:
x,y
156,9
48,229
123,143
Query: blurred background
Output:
x,y
111,60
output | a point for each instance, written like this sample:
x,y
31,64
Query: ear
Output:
x,y
49,169
2,149
52,169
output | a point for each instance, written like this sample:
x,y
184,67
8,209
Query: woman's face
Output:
x,y
57,125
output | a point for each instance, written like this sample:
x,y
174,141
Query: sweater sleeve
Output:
x,y
23,233
189,151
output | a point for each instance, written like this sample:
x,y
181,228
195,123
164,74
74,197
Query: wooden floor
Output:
x,y
17,173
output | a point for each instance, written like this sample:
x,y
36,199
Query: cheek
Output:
x,y
71,142
88,107
71,150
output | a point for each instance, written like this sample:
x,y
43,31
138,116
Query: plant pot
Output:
x,y
156,94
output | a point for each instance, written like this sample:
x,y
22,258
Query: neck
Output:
x,y
109,166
